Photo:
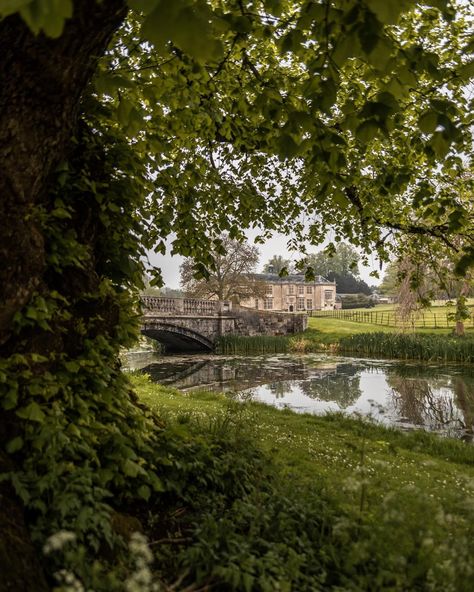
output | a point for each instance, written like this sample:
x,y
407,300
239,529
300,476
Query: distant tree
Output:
x,y
231,277
356,301
164,292
277,264
343,260
390,281
346,283
340,266
167,292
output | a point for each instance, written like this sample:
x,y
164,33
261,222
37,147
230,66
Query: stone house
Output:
x,y
293,293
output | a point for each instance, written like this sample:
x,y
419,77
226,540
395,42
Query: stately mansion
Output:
x,y
293,293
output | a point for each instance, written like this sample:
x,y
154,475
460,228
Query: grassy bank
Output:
x,y
326,503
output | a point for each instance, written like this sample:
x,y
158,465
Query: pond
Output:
x,y
406,395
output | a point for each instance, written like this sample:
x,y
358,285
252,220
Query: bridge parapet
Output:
x,y
185,306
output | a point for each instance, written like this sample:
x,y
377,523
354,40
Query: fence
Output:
x,y
428,320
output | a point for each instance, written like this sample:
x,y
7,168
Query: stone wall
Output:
x,y
253,322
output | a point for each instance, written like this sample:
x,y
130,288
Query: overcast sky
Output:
x,y
277,245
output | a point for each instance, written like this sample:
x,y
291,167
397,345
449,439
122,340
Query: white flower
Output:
x,y
58,540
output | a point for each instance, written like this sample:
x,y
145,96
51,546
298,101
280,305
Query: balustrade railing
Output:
x,y
186,306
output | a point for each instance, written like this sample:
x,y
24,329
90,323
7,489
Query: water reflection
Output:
x,y
435,398
442,403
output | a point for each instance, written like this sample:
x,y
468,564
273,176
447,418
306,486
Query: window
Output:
x,y
268,303
300,289
291,289
300,303
328,294
309,305
309,289
256,303
269,290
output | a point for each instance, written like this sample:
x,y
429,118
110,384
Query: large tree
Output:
x,y
231,276
342,259
122,122
339,264
277,264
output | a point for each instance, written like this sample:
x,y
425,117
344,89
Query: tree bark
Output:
x,y
41,84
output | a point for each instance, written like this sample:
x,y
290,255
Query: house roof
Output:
x,y
294,278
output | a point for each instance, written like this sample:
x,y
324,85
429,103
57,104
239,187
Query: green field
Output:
x,y
385,315
331,330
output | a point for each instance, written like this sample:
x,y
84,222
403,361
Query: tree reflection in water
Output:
x,y
340,384
443,403
433,397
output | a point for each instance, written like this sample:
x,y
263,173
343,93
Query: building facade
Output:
x,y
293,294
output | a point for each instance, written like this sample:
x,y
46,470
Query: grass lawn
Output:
x,y
336,503
341,452
435,316
331,330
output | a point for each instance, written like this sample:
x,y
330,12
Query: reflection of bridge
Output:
x,y
186,324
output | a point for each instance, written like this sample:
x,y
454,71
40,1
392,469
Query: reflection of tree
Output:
x,y
464,396
418,401
341,385
281,388
225,374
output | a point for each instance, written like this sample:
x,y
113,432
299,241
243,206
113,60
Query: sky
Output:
x,y
277,245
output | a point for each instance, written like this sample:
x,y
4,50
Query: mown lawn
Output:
x,y
326,330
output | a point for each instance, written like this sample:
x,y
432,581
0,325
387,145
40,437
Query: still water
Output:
x,y
406,395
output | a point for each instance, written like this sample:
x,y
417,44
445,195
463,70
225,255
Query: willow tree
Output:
x,y
121,122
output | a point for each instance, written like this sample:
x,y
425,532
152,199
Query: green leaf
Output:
x,y
386,11
187,24
440,144
367,131
8,7
144,492
123,111
287,147
47,15
14,445
31,412
466,71
131,468
428,121
381,54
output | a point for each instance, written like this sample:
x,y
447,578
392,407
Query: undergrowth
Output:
x,y
246,522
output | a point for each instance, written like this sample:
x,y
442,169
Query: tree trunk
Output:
x,y
41,83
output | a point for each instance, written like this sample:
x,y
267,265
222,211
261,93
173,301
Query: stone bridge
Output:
x,y
190,325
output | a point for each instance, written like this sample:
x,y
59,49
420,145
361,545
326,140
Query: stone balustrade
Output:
x,y
185,306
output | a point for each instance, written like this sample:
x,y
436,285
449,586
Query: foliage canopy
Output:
x,y
296,115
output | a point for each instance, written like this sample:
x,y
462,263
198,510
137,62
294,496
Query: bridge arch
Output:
x,y
177,339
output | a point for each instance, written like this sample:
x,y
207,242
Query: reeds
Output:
x,y
410,347
257,344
